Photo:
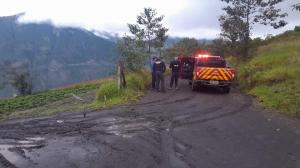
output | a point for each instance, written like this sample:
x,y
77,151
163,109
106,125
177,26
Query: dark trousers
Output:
x,y
174,77
160,81
153,80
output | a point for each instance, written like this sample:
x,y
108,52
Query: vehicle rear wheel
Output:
x,y
226,89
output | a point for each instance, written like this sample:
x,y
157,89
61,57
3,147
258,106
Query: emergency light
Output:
x,y
203,55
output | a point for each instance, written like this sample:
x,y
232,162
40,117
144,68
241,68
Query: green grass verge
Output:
x,y
108,94
273,74
60,100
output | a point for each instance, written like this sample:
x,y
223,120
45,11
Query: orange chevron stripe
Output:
x,y
213,74
214,78
221,77
223,74
208,73
204,70
229,74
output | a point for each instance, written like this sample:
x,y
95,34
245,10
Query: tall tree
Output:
x,y
131,54
233,31
296,6
149,29
251,12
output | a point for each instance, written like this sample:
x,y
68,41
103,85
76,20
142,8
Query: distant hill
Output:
x,y
57,56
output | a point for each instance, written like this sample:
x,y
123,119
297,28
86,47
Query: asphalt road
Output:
x,y
177,129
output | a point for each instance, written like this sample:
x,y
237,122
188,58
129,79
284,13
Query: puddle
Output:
x,y
36,139
31,140
119,130
107,120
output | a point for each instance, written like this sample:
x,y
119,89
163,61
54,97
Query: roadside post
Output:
x,y
121,76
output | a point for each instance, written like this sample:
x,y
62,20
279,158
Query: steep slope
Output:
x,y
273,74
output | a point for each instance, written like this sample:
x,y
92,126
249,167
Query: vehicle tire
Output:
x,y
226,89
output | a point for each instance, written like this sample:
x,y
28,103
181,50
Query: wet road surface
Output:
x,y
177,129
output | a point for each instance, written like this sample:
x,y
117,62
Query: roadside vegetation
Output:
x,y
108,94
272,74
96,95
20,105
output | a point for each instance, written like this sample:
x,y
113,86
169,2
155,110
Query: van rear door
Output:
x,y
186,67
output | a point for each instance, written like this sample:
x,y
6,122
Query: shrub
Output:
x,y
107,91
136,82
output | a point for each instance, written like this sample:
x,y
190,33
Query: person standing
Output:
x,y
159,68
174,66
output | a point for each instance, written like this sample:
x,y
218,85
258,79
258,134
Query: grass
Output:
x,y
273,74
23,103
109,94
97,94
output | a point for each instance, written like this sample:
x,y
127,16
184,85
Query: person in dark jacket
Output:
x,y
159,68
174,66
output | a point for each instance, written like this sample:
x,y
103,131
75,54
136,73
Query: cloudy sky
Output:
x,y
184,18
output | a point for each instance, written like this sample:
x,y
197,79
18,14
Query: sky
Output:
x,y
184,18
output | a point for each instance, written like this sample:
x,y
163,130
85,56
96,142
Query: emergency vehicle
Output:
x,y
204,69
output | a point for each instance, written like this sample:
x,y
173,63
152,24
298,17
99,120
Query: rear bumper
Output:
x,y
207,82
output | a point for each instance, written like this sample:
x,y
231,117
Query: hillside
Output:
x,y
68,54
272,75
95,94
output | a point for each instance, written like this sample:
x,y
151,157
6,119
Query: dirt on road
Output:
x,y
176,129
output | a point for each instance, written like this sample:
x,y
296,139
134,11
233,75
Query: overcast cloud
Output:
x,y
192,18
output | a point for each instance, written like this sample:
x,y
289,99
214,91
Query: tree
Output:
x,y
22,82
219,46
233,30
131,54
17,76
245,13
149,29
296,6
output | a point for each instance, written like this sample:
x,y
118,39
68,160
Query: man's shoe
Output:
x,y
170,88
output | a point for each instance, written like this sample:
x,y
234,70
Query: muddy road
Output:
x,y
177,129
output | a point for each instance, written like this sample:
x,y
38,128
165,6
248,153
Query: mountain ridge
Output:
x,y
57,56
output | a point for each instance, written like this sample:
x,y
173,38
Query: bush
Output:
x,y
136,83
108,90
297,29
